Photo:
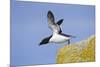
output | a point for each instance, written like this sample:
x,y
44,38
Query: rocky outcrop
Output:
x,y
83,51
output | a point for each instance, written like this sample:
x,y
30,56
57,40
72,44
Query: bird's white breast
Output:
x,y
58,38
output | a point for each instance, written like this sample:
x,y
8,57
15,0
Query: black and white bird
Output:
x,y
57,36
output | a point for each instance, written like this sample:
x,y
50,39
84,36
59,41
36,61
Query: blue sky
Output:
x,y
29,26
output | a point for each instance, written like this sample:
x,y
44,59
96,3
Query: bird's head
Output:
x,y
45,40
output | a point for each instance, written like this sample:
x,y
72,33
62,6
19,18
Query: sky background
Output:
x,y
29,26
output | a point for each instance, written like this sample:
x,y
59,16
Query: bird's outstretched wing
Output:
x,y
51,22
60,22
51,19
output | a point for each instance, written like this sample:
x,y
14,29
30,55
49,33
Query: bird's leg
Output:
x,y
68,42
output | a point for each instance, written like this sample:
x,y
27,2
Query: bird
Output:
x,y
57,35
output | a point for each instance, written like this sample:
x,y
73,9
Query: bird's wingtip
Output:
x,y
49,11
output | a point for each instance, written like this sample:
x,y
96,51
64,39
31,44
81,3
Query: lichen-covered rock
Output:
x,y
83,51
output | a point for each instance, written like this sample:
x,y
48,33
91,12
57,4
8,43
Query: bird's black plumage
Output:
x,y
45,40
60,22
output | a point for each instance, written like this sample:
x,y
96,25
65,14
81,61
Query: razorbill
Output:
x,y
57,36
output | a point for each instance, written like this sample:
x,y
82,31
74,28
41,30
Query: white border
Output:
x,y
4,33
5,38
83,2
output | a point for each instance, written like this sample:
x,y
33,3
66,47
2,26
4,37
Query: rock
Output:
x,y
83,51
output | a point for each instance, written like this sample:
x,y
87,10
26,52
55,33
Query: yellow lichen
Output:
x,y
83,51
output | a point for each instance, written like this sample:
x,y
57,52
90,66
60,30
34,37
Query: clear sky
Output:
x,y
29,26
